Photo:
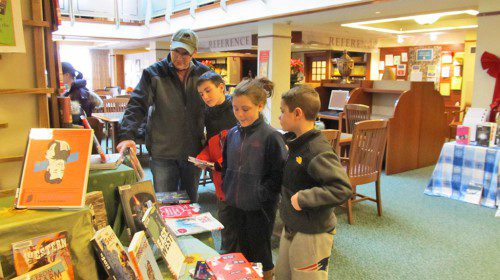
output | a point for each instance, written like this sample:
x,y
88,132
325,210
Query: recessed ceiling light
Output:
x,y
377,12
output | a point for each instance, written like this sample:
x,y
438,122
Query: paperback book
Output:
x,y
112,161
55,169
95,201
485,134
232,266
42,250
53,271
193,225
179,211
169,198
201,163
164,241
463,135
134,198
143,258
112,255
194,250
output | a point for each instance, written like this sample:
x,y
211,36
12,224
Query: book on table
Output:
x,y
55,169
36,252
134,198
56,270
113,257
142,258
194,224
179,211
485,134
166,242
463,135
232,266
112,161
95,201
169,198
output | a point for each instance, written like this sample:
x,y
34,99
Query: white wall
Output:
x,y
134,64
487,40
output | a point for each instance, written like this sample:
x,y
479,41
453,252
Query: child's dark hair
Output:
x,y
211,76
305,98
258,89
67,68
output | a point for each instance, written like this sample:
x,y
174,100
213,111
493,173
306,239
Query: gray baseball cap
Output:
x,y
186,39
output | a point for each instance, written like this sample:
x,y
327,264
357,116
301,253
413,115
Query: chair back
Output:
x,y
367,151
355,113
103,94
115,105
123,96
333,136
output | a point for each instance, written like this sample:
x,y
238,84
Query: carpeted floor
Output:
x,y
417,237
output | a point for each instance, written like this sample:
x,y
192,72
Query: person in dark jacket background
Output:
x,y
314,183
252,166
167,97
78,92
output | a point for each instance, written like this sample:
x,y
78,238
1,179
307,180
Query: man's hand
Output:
x,y
295,202
123,145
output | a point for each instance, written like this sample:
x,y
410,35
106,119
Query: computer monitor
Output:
x,y
338,99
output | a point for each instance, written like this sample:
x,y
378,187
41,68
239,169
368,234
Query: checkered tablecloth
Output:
x,y
462,168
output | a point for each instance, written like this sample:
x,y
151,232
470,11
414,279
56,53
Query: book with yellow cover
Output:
x,y
55,169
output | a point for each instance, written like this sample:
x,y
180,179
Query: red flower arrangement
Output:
x,y
209,64
296,66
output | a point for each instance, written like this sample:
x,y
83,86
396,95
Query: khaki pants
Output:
x,y
304,256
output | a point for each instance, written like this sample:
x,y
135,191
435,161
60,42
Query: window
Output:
x,y
318,70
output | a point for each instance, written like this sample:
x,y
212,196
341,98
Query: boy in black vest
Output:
x,y
314,183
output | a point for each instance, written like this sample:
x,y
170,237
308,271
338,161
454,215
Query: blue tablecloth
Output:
x,y
461,169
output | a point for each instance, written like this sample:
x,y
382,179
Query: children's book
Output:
x,y
485,134
112,161
194,250
193,225
463,135
143,258
36,252
95,202
134,198
164,240
179,211
168,198
232,266
55,169
53,271
112,255
202,163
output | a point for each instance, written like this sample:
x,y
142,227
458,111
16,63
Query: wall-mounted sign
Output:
x,y
338,42
425,54
264,63
11,27
226,43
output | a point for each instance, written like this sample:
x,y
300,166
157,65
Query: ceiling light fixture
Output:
x,y
400,39
427,19
433,36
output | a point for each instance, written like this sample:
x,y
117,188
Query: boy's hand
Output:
x,y
295,202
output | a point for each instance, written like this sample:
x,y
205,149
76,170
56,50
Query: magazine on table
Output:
x,y
193,225
179,211
169,198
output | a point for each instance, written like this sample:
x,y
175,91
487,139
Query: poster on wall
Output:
x,y
446,57
444,89
404,57
425,54
397,59
401,70
415,74
456,83
431,71
11,27
264,63
389,60
445,71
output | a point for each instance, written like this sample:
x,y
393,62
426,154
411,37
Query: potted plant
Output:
x,y
296,71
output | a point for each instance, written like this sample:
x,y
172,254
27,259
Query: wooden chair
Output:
x,y
104,94
365,162
333,136
115,105
354,113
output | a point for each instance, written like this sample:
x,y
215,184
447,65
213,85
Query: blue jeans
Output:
x,y
170,175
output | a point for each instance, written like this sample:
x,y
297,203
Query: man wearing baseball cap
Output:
x,y
167,99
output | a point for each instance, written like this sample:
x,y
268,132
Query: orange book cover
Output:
x,y
56,168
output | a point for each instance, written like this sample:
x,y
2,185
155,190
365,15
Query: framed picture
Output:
x,y
11,27
404,57
425,54
401,70
397,59
431,71
446,57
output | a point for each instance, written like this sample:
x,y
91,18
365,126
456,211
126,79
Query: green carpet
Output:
x,y
417,237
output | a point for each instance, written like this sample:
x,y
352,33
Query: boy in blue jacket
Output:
x,y
314,183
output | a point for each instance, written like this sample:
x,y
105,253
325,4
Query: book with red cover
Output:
x,y
463,135
232,266
179,211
